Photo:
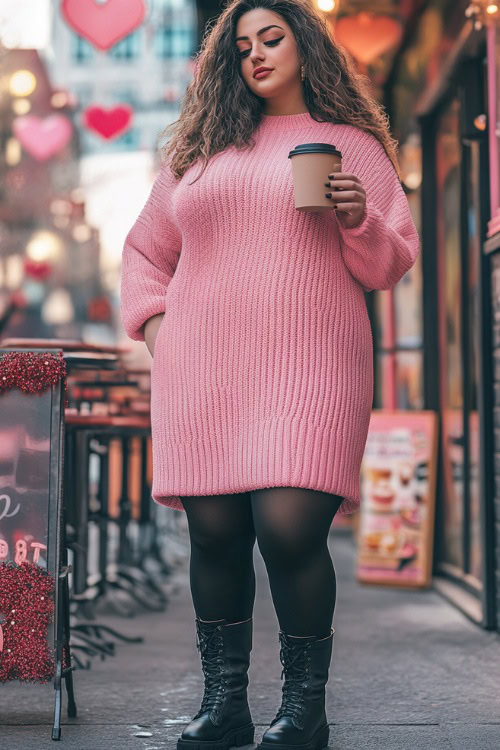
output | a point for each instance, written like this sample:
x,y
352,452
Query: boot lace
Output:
x,y
209,645
295,662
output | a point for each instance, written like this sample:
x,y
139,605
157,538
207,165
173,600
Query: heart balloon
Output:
x,y
42,138
103,24
108,123
368,36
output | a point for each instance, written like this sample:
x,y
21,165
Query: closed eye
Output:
x,y
271,43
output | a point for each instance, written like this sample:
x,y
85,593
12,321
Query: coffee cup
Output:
x,y
311,165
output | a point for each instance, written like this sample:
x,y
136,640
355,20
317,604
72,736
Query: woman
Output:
x,y
262,368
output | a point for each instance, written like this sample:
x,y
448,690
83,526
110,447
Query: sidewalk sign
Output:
x,y
31,527
398,485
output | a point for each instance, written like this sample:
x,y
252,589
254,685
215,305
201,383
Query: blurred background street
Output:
x,y
86,91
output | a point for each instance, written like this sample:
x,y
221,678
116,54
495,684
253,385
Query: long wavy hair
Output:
x,y
219,110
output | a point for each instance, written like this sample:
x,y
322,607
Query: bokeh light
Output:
x,y
22,83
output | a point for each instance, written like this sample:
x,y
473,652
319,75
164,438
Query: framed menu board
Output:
x,y
33,646
398,485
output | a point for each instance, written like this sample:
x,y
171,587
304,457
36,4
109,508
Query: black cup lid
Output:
x,y
314,148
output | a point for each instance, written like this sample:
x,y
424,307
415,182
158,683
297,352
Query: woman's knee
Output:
x,y
288,549
218,544
220,524
292,524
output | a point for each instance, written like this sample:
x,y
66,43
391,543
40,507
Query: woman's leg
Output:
x,y
222,582
292,526
222,575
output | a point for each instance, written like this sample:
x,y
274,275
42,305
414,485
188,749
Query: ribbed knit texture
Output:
x,y
262,373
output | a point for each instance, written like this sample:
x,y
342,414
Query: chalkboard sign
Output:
x,y
25,426
31,522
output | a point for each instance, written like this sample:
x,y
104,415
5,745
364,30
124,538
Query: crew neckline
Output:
x,y
280,122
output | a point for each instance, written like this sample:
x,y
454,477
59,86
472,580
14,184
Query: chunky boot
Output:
x,y
224,719
300,723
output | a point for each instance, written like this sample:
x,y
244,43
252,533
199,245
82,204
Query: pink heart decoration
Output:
x,y
42,138
108,123
368,36
103,24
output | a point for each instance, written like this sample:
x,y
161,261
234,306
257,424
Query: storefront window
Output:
x,y
448,155
408,307
473,263
408,293
382,377
409,379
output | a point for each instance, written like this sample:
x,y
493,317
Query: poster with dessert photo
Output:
x,y
398,484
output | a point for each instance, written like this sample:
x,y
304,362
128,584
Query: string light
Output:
x,y
483,13
326,5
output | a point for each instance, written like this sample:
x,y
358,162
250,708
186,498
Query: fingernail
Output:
x,y
327,184
331,176
328,195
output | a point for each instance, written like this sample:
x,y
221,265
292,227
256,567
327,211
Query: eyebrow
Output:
x,y
261,31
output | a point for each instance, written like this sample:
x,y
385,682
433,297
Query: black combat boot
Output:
x,y
224,719
300,723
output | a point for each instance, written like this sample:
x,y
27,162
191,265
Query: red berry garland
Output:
x,y
26,609
31,372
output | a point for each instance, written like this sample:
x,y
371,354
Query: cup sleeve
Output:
x,y
149,258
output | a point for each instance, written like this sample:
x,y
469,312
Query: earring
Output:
x,y
302,73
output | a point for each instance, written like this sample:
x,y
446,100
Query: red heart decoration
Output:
x,y
103,24
368,36
42,138
108,123
37,269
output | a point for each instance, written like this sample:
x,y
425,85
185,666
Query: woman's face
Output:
x,y
268,42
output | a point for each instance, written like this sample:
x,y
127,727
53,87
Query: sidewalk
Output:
x,y
408,672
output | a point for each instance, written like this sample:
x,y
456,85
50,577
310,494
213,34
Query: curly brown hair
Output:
x,y
333,89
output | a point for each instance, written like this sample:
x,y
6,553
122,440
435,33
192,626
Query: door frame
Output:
x,y
473,48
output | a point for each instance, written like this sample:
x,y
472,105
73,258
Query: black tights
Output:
x,y
291,526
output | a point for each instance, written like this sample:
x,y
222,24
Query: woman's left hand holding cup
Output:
x,y
348,196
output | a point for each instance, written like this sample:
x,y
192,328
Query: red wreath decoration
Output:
x,y
26,609
31,372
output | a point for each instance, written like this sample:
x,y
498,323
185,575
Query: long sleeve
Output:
x,y
149,258
384,246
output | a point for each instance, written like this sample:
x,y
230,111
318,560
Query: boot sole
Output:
x,y
319,741
234,738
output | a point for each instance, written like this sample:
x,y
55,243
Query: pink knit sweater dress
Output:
x,y
262,371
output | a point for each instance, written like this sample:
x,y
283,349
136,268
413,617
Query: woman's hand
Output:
x,y
348,196
151,328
